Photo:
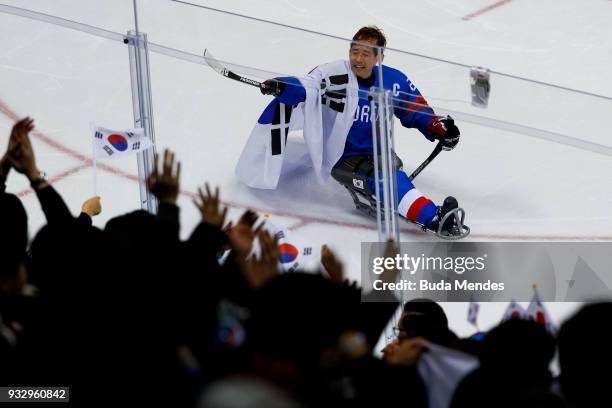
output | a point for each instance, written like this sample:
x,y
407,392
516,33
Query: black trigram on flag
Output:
x,y
307,251
335,92
279,235
129,134
108,150
98,135
136,145
280,121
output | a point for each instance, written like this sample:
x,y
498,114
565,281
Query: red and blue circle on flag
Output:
x,y
288,253
119,142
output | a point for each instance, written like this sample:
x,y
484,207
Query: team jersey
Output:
x,y
410,108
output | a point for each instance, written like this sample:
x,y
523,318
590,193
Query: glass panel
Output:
x,y
520,167
67,80
112,15
207,119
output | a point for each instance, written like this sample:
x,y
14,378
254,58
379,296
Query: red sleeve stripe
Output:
x,y
418,104
415,208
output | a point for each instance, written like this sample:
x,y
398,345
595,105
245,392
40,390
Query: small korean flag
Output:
x,y
537,311
514,311
119,143
473,310
295,253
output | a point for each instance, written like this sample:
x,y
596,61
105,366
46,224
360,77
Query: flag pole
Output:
x,y
95,175
93,159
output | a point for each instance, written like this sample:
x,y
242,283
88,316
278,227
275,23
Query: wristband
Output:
x,y
41,179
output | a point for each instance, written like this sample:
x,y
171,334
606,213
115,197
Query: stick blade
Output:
x,y
213,63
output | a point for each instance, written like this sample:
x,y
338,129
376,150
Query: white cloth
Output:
x,y
324,128
442,369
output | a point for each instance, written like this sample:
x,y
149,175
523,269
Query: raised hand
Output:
x,y
165,185
20,153
249,217
5,163
241,235
92,206
390,348
209,207
332,265
259,270
405,352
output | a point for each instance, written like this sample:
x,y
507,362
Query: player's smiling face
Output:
x,y
363,59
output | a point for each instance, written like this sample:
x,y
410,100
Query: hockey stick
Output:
x,y
216,65
428,160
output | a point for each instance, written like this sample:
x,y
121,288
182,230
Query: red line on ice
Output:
x,y
58,177
485,9
303,219
64,149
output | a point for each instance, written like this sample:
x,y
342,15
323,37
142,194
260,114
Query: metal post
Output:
x,y
381,108
377,174
143,112
391,175
380,116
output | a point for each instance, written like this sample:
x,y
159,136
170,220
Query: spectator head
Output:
x,y
520,348
513,372
425,318
426,307
131,227
584,344
296,316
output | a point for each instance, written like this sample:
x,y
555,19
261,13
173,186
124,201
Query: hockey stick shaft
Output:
x,y
428,160
232,75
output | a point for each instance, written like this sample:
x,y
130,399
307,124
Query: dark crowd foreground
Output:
x,y
133,315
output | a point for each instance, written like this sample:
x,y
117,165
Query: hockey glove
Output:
x,y
445,131
272,87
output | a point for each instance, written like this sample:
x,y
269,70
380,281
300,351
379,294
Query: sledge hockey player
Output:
x,y
338,130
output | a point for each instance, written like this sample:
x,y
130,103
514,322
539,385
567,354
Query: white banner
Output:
x,y
442,369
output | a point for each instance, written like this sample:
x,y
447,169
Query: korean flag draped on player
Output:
x,y
324,130
111,144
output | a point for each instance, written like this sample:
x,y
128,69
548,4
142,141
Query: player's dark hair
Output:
x,y
371,33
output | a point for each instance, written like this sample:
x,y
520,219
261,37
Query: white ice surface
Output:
x,y
513,186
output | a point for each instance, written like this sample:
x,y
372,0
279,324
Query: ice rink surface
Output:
x,y
513,186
